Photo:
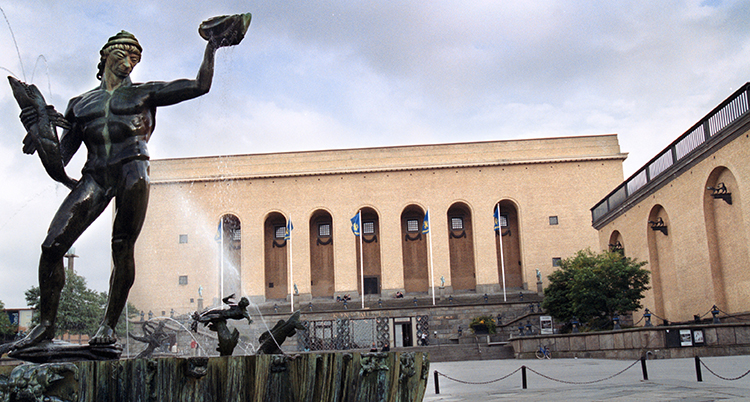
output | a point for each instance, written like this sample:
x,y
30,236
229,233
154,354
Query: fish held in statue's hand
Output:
x,y
41,137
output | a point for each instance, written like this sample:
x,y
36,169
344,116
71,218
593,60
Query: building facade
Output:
x,y
686,214
220,225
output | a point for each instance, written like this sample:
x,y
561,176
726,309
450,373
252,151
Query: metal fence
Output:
x,y
344,333
729,111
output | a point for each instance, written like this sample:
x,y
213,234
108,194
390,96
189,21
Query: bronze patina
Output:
x,y
115,121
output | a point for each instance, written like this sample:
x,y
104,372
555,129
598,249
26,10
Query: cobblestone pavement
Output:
x,y
574,380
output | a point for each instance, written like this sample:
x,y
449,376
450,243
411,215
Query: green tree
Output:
x,y
81,309
594,287
6,328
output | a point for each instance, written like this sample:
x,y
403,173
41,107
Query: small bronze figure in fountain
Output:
x,y
114,121
216,320
152,337
271,341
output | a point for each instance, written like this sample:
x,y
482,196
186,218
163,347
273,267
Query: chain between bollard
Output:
x,y
480,382
584,382
721,377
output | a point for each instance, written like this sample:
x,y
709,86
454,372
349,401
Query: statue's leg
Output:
x,y
131,201
79,209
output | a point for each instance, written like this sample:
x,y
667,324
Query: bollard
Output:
x,y
523,377
698,373
437,383
643,368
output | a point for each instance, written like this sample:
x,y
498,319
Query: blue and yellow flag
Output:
x,y
426,223
497,219
218,232
288,231
356,224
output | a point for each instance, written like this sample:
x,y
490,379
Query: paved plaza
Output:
x,y
669,380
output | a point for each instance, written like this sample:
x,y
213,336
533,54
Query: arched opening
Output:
x,y
230,253
414,250
616,243
461,248
661,261
508,244
727,240
370,263
321,254
276,255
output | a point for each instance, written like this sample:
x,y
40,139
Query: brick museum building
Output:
x,y
220,225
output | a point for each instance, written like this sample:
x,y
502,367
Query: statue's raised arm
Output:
x,y
228,30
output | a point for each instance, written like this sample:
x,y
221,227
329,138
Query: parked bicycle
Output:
x,y
543,353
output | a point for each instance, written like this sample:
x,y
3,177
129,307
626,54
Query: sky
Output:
x,y
335,74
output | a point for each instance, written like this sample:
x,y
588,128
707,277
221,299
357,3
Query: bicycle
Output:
x,y
543,353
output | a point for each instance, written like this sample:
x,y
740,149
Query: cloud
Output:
x,y
340,74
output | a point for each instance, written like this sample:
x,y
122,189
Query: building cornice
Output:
x,y
225,177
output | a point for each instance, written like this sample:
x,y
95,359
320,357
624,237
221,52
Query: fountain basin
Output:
x,y
386,377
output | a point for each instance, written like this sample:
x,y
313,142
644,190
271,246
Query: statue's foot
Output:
x,y
104,336
38,334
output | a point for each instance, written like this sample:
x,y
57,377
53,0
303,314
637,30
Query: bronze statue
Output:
x,y
115,122
152,337
216,320
271,341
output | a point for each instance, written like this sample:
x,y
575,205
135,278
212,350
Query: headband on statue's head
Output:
x,y
122,38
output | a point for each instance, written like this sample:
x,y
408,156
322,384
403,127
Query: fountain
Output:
x,y
65,373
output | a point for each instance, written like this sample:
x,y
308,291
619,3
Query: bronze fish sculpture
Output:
x,y
41,135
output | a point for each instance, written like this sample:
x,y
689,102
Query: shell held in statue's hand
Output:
x,y
225,30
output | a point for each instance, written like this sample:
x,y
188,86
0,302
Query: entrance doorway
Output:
x,y
402,332
371,285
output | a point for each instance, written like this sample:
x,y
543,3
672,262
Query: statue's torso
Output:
x,y
115,126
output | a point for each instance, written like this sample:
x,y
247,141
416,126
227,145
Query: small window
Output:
x,y
183,238
457,223
368,228
192,300
324,230
270,284
412,225
553,220
556,261
280,231
504,221
183,280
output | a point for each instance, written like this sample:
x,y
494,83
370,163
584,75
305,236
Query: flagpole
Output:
x,y
291,271
361,260
432,271
502,254
221,244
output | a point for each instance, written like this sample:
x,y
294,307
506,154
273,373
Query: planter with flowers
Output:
x,y
483,325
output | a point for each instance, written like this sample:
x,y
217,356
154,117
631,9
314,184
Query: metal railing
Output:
x,y
702,132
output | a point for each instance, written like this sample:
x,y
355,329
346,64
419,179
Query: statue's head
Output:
x,y
243,303
123,42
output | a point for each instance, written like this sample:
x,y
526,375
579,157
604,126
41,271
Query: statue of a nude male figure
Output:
x,y
115,122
